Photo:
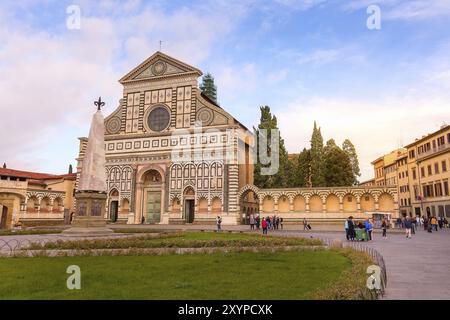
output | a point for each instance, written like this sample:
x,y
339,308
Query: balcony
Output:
x,y
441,148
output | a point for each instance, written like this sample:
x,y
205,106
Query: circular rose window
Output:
x,y
158,119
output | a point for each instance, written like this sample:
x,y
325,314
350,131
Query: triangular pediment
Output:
x,y
159,65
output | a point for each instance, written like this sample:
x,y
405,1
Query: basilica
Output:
x,y
172,154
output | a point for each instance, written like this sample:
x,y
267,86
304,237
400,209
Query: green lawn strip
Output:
x,y
283,275
179,240
29,232
351,284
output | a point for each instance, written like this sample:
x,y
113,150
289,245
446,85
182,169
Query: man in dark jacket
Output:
x,y
408,226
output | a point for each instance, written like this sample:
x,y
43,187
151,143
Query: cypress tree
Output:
x,y
317,178
350,150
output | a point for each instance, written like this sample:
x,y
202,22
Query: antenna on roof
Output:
x,y
160,45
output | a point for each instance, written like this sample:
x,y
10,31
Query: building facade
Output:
x,y
429,174
33,198
172,154
421,175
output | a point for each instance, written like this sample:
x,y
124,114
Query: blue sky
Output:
x,y
307,59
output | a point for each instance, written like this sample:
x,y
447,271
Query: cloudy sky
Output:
x,y
307,59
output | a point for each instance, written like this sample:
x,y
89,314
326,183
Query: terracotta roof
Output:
x,y
35,175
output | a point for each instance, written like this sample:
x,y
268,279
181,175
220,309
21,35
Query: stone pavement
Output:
x,y
417,268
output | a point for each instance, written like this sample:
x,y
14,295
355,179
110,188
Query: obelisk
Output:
x,y
91,192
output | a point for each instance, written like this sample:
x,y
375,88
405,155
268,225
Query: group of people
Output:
x,y
354,229
409,224
266,223
429,224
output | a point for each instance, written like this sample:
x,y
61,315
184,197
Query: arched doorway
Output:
x,y
189,204
113,205
152,196
249,204
3,216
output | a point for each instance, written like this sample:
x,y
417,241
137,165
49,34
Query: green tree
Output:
x,y
350,150
208,87
337,169
279,179
317,178
304,169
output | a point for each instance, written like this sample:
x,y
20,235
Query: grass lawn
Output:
x,y
182,240
284,275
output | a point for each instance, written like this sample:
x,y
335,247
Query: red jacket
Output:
x,y
264,223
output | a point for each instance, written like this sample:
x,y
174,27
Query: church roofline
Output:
x,y
129,77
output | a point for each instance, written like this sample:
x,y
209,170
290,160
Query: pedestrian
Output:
x,y
264,225
278,223
445,223
425,224
252,222
281,223
347,235
305,224
268,226
384,228
219,223
440,222
434,223
418,222
408,226
258,221
399,223
369,228
351,229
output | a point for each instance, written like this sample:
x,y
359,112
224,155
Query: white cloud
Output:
x,y
48,80
375,127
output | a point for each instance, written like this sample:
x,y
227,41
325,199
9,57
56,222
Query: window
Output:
x,y
438,189
412,153
158,119
436,168
430,171
441,141
444,166
414,173
422,172
446,188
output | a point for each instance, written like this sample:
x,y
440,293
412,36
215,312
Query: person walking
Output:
x,y
305,224
408,226
252,222
369,228
347,235
351,229
219,223
281,223
258,221
384,228
418,223
434,223
264,226
278,223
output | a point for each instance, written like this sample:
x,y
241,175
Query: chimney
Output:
x,y
4,165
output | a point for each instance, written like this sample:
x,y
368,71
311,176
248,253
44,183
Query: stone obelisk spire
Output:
x,y
91,193
93,174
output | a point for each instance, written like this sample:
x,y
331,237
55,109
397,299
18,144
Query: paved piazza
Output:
x,y
417,268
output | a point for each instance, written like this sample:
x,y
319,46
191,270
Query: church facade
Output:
x,y
172,154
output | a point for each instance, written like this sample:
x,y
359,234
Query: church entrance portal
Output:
x,y
114,210
189,206
153,206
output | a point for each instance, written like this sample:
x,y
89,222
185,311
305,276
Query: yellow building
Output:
x,y
33,198
385,168
428,166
